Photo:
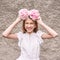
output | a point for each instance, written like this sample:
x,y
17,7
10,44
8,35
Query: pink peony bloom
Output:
x,y
23,14
34,14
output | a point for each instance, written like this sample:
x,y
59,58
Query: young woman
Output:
x,y
30,37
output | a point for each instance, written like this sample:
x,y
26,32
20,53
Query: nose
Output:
x,y
29,25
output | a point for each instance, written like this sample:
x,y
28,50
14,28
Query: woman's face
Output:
x,y
29,25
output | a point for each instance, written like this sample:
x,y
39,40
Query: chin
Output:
x,y
29,31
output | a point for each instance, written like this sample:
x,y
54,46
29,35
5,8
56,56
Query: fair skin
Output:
x,y
29,26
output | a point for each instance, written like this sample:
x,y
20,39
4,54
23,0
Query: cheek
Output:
x,y
26,25
32,26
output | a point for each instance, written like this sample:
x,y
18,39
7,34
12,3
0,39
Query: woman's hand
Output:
x,y
40,21
18,19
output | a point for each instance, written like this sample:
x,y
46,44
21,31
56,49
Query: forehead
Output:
x,y
29,20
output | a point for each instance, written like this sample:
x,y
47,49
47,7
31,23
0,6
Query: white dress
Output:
x,y
30,45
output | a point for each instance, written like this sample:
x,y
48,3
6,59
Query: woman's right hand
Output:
x,y
18,19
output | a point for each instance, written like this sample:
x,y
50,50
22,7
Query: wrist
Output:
x,y
40,22
18,20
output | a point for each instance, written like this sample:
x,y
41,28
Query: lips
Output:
x,y
28,28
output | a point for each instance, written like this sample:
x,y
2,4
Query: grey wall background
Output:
x,y
50,13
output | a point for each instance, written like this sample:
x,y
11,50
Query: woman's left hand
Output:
x,y
40,21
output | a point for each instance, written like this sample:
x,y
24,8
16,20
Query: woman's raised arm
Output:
x,y
51,33
7,33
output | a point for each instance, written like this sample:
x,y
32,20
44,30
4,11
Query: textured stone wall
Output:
x,y
50,13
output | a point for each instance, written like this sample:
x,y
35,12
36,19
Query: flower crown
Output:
x,y
33,14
